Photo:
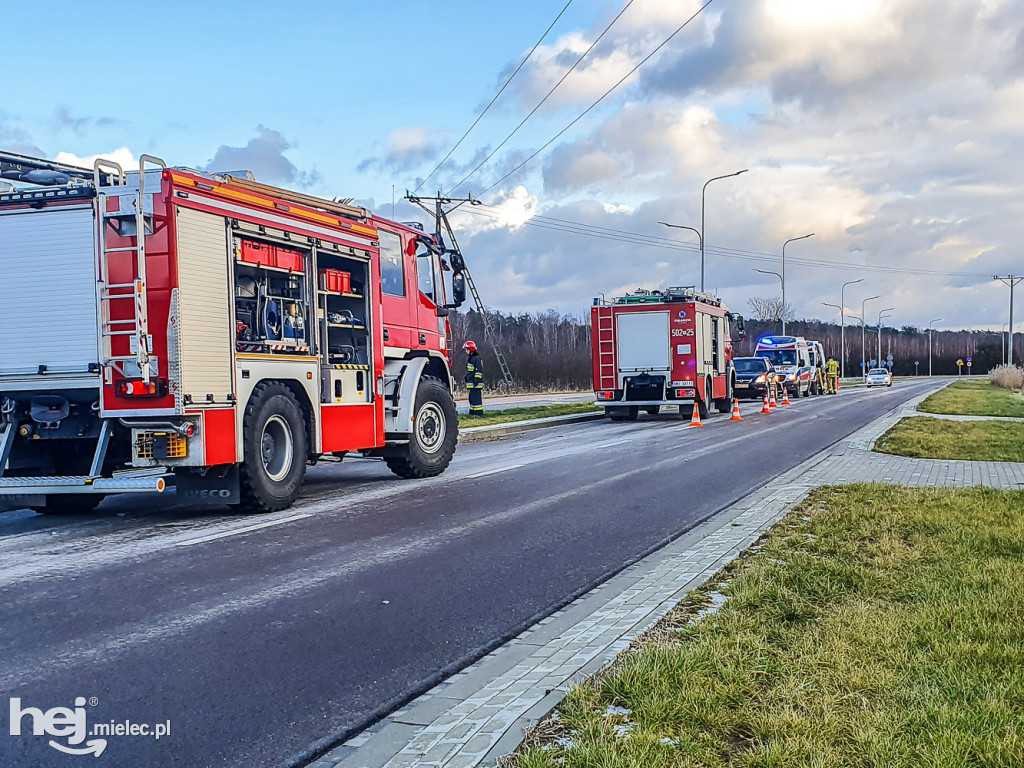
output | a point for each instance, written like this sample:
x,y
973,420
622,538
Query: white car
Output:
x,y
878,377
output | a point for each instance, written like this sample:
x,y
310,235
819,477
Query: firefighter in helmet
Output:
x,y
474,379
832,375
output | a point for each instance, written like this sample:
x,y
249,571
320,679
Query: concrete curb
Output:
x,y
492,431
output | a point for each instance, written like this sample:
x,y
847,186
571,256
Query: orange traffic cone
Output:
x,y
785,396
772,403
735,410
766,408
695,419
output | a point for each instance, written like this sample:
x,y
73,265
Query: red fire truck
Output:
x,y
171,328
662,348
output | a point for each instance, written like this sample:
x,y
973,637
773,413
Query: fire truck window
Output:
x,y
425,271
392,269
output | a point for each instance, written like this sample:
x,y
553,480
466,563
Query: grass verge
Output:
x,y
974,398
874,626
924,438
523,414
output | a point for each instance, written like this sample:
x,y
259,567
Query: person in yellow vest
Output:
x,y
474,379
832,375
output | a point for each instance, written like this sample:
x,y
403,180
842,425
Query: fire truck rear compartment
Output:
x,y
48,252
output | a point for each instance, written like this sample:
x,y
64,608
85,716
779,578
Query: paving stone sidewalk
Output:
x,y
480,714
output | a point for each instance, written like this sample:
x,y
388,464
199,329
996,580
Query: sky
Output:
x,y
891,130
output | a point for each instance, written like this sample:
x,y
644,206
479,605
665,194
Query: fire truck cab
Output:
x,y
662,348
171,328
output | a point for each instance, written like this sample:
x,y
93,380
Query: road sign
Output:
x,y
959,362
968,361
889,357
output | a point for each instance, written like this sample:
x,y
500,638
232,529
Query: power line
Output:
x,y
491,103
652,241
541,102
602,98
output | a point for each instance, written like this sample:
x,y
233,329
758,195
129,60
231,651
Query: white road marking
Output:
x,y
614,442
246,529
493,471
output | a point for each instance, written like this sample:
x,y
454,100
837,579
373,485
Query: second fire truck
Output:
x,y
655,349
170,328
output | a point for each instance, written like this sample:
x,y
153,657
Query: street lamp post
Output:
x,y
700,240
782,312
883,313
930,329
703,190
863,336
783,276
842,327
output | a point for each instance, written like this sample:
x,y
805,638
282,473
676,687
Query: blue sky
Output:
x,y
891,130
334,79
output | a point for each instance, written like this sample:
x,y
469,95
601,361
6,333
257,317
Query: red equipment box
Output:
x,y
260,254
267,255
288,258
336,281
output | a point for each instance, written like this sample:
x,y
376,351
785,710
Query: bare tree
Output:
x,y
770,309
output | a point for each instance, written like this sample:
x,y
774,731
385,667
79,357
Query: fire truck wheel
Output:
x,y
274,439
70,504
434,433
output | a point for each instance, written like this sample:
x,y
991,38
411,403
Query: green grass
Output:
x,y
876,626
974,398
924,438
522,414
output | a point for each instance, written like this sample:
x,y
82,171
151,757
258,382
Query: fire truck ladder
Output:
x,y
137,326
605,345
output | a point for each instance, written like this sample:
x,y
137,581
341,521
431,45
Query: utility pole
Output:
x,y
930,329
442,206
1010,280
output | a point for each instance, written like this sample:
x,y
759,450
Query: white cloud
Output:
x,y
891,130
122,156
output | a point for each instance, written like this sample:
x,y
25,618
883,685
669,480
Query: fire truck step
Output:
x,y
148,482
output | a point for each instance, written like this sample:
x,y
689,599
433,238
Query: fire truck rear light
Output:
x,y
605,395
133,388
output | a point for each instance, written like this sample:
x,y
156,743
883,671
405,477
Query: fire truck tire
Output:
x,y
703,407
70,504
274,439
435,433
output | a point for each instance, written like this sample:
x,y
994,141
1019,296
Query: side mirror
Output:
x,y
458,289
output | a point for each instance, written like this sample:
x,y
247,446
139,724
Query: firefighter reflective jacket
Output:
x,y
474,372
832,368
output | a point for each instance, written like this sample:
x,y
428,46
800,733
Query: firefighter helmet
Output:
x,y
469,346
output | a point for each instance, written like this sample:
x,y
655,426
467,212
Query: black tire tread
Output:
x,y
249,499
404,466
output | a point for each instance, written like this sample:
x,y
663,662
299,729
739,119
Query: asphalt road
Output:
x,y
258,644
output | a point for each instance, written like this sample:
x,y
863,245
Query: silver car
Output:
x,y
878,377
